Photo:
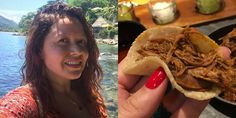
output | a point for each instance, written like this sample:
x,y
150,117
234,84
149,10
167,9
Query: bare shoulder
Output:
x,y
19,102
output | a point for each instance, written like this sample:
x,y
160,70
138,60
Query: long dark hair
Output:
x,y
33,67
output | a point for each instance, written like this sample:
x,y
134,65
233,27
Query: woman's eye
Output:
x,y
81,42
63,41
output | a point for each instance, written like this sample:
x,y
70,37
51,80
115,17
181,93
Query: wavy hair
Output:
x,y
33,68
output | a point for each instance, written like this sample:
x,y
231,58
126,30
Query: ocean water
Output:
x,y
12,57
109,60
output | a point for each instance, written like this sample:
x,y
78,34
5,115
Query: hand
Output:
x,y
136,100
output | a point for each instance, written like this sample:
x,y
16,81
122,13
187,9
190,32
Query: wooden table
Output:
x,y
187,14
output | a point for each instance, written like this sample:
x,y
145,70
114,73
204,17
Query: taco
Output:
x,y
230,92
189,58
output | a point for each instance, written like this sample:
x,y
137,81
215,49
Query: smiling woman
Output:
x,y
67,46
61,71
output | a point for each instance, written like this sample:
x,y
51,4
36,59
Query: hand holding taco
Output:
x,y
189,58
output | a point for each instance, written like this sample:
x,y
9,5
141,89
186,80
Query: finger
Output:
x,y
173,100
139,84
224,52
144,102
125,83
191,109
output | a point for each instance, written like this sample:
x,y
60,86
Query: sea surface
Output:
x,y
12,57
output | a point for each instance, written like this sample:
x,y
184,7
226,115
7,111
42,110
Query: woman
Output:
x,y
61,71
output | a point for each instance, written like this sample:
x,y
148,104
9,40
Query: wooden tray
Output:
x,y
187,14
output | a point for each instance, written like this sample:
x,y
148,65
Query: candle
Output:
x,y
163,12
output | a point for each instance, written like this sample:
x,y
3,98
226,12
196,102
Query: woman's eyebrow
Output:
x,y
62,35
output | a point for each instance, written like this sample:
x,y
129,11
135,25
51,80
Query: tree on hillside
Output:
x,y
48,3
87,4
92,9
95,8
110,13
26,21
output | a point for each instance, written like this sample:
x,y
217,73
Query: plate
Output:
x,y
226,107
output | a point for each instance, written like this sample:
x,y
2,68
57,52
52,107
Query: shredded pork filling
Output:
x,y
230,66
191,69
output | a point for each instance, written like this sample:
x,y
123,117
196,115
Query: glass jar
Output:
x,y
209,6
163,11
126,11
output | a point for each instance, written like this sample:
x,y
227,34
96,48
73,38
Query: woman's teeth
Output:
x,y
73,63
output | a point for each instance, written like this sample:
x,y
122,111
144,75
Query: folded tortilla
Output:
x,y
144,64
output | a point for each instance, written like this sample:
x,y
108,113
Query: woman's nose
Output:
x,y
74,48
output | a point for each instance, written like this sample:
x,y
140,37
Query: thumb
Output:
x,y
224,52
145,101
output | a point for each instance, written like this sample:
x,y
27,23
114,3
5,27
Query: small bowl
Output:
x,y
226,107
127,32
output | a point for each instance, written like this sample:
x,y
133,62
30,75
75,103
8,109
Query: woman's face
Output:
x,y
65,50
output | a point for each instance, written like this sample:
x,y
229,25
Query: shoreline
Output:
x,y
107,41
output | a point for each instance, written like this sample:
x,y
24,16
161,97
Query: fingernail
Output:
x,y
156,78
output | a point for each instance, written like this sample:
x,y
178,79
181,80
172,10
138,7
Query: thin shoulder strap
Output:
x,y
40,107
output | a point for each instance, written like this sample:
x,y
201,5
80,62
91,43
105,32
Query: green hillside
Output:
x,y
7,25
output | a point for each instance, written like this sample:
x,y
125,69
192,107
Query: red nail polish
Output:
x,y
156,78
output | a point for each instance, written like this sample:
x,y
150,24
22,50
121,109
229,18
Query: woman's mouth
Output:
x,y
74,64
